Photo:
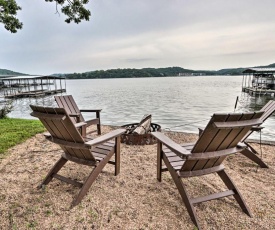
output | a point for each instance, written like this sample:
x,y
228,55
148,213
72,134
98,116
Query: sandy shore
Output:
x,y
132,200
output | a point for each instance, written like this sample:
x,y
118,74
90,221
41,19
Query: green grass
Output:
x,y
14,131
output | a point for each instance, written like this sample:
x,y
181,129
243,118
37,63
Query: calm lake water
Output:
x,y
176,103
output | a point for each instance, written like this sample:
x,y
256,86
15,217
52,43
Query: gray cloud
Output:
x,y
197,34
136,60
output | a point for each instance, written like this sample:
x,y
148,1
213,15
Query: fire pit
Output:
x,y
139,139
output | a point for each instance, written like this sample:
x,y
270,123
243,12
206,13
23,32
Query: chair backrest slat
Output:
x,y
200,164
245,130
189,166
208,139
68,103
223,135
65,102
211,162
268,109
234,135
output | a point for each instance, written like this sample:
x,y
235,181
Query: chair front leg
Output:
x,y
89,181
98,125
159,160
185,197
117,155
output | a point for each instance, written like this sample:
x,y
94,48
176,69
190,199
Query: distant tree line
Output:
x,y
145,72
130,73
153,72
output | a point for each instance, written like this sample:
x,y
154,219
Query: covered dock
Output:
x,y
31,86
259,81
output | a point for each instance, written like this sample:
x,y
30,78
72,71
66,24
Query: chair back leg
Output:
x,y
231,186
250,153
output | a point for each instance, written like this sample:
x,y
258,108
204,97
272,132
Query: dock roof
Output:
x,y
28,77
259,70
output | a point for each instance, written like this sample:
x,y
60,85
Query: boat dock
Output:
x,y
259,82
31,86
257,92
37,93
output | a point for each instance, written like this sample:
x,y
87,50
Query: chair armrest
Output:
x,y
105,137
257,128
242,145
80,124
74,114
200,130
218,153
179,150
90,110
92,121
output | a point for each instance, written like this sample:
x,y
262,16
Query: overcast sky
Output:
x,y
193,34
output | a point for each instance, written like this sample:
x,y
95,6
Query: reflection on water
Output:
x,y
176,103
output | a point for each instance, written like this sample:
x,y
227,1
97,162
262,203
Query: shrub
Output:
x,y
7,108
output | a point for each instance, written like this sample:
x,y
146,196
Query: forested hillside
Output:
x,y
130,73
9,72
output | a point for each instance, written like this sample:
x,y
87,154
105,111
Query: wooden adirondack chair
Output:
x,y
220,138
96,153
68,103
250,152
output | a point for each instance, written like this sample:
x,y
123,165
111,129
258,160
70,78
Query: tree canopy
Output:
x,y
75,11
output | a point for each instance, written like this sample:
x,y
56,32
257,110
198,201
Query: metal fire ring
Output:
x,y
140,139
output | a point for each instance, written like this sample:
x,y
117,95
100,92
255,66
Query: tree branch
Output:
x,y
75,10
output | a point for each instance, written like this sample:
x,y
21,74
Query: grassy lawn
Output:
x,y
14,131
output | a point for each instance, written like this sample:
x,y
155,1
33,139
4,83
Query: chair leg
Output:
x,y
183,192
252,156
83,131
251,148
231,186
159,160
98,125
117,156
58,165
89,181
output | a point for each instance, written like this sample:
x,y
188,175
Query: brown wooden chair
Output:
x,y
68,103
250,152
220,138
96,153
